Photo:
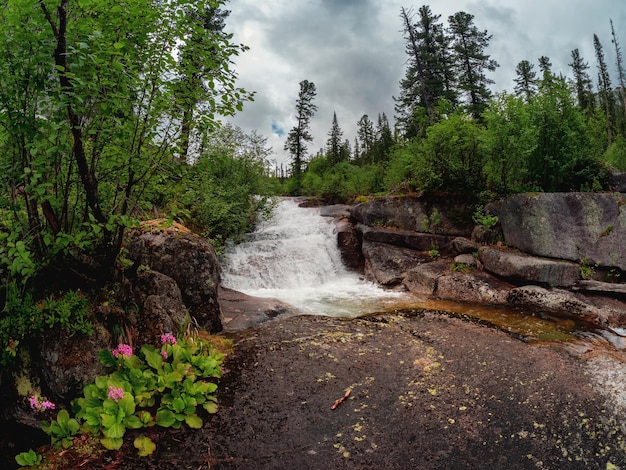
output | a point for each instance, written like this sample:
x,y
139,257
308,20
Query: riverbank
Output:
x,y
426,391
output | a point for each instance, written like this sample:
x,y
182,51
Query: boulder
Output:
x,y
439,214
387,264
467,260
473,287
524,268
161,307
188,259
405,238
349,245
422,279
69,363
564,303
242,311
461,246
569,226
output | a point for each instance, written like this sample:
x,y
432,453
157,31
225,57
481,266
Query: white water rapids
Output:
x,y
294,257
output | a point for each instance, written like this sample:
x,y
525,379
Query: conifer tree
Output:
x,y
428,77
334,144
366,134
605,90
621,75
471,62
582,82
300,133
526,80
545,67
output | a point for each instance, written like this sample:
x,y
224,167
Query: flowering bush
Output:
x,y
160,387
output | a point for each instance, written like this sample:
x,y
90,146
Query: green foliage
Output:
x,y
341,182
616,153
92,103
162,387
222,193
484,218
450,158
62,430
28,459
23,319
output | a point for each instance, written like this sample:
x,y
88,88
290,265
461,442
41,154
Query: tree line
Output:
x,y
452,133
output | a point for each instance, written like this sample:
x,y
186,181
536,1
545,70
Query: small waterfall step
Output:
x,y
294,257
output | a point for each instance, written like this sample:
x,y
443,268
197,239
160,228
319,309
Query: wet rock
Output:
x,y
161,307
188,259
387,264
524,268
467,260
405,238
422,279
565,303
569,226
349,245
69,363
473,287
336,210
242,311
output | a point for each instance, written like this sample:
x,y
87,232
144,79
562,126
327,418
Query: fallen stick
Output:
x,y
341,400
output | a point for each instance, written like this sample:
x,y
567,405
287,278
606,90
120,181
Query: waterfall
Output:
x,y
293,257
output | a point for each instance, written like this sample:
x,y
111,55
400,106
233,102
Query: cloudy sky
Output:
x,y
353,50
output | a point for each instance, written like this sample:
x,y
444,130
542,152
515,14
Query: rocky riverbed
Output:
x,y
416,390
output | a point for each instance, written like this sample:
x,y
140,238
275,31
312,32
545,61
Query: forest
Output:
x,y
452,133
112,113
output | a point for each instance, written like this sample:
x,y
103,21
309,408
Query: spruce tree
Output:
x,y
334,144
526,80
300,133
428,77
621,75
605,90
582,82
471,62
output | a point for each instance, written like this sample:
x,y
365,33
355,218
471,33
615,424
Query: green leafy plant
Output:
x,y
25,318
161,387
62,429
28,459
587,270
484,218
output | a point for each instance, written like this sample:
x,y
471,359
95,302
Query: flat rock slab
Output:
x,y
426,392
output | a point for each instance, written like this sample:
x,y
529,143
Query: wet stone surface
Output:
x,y
426,392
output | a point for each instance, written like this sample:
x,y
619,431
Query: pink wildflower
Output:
x,y
168,338
124,349
36,405
164,354
115,393
34,402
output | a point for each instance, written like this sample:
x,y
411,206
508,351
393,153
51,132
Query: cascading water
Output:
x,y
294,257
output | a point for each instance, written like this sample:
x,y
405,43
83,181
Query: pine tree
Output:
x,y
334,150
471,62
428,77
366,134
300,133
621,75
605,90
526,80
384,140
545,67
582,82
